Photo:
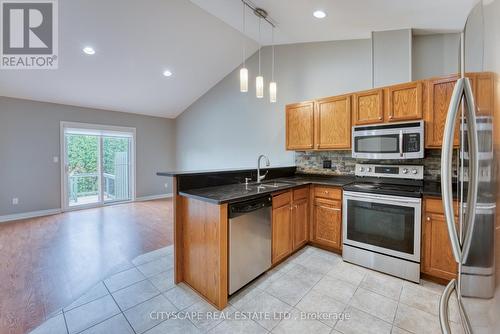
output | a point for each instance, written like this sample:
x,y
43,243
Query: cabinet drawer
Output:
x,y
300,193
282,199
435,205
327,192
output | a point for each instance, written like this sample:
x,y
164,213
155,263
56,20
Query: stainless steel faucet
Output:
x,y
261,177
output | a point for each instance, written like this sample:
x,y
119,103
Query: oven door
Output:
x,y
385,224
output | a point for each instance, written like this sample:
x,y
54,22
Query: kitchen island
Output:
x,y
200,207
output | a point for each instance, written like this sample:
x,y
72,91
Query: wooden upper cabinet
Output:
x,y
437,255
438,99
404,102
368,107
333,123
483,87
300,126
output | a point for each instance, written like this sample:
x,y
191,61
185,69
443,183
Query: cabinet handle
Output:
x,y
326,191
428,219
380,118
390,116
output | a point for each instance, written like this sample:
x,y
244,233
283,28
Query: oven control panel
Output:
x,y
415,172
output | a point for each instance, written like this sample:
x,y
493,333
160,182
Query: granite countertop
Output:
x,y
433,188
216,171
237,192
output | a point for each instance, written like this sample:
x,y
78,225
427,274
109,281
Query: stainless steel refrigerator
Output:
x,y
469,174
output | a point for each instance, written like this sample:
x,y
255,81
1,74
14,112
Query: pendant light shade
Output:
x,y
272,85
272,92
259,87
243,80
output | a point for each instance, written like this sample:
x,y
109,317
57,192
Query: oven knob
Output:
x,y
369,169
414,171
361,169
405,171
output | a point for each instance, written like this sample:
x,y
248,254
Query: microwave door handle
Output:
x,y
473,172
446,168
401,143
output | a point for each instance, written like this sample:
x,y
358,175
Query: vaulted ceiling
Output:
x,y
199,41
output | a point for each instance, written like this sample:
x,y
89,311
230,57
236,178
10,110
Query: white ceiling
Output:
x,y
134,42
346,19
198,40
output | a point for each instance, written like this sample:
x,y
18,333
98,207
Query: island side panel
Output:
x,y
205,244
178,242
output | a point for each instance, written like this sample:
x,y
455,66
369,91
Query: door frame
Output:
x,y
62,154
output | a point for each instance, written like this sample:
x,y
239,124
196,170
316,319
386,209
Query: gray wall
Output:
x,y
29,139
392,57
229,129
435,55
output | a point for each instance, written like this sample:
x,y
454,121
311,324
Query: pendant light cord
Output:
x,y
259,44
244,32
272,62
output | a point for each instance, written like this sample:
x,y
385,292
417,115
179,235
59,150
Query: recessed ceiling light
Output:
x,y
89,50
319,14
167,73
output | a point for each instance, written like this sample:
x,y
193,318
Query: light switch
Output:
x,y
56,159
15,201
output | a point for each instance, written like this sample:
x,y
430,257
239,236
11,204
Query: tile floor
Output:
x,y
314,291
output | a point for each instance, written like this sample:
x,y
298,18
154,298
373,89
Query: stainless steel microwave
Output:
x,y
403,140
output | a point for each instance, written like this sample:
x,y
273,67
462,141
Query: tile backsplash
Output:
x,y
343,163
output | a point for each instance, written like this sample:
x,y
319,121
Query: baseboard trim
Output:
x,y
41,213
152,197
27,215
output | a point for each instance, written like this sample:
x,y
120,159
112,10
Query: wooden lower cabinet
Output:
x,y
281,227
437,256
290,222
327,217
300,223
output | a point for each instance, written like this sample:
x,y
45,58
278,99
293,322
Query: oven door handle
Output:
x,y
377,197
401,143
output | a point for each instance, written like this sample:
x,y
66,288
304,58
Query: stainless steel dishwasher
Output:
x,y
249,240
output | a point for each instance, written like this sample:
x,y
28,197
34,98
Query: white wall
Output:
x,y
435,55
229,129
392,57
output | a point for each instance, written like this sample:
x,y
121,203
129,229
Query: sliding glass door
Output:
x,y
97,165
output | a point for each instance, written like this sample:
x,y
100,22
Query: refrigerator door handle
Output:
x,y
444,301
444,321
470,210
447,166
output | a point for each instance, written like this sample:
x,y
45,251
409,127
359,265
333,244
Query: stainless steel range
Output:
x,y
382,219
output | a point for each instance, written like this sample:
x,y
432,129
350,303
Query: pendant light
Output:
x,y
272,84
259,80
244,70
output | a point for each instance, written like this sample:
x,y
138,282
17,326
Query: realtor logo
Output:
x,y
28,34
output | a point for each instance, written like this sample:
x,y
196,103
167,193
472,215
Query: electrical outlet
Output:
x,y
327,164
166,185
15,201
55,159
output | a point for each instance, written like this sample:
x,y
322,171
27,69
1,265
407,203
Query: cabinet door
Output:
x,y
300,126
483,93
437,259
404,102
281,227
300,222
333,123
368,107
327,222
439,93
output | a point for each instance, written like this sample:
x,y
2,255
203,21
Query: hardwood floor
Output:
x,y
48,262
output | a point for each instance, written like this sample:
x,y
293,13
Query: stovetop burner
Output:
x,y
385,188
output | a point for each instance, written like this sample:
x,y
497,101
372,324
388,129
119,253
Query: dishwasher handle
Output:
x,y
239,208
